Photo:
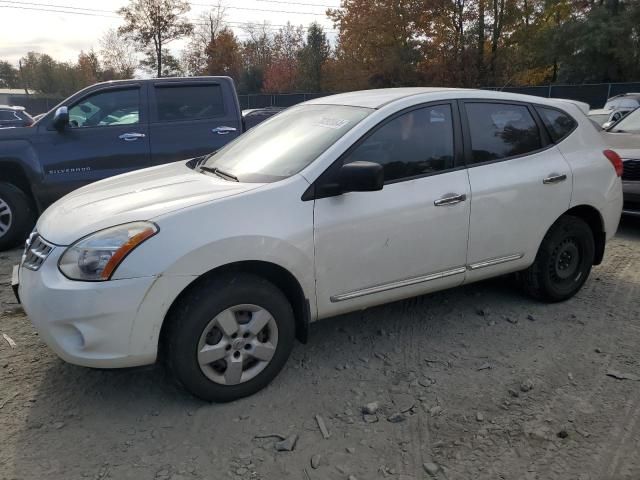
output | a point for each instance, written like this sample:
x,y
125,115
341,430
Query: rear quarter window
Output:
x,y
559,124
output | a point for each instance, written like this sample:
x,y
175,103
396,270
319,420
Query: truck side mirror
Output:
x,y
61,118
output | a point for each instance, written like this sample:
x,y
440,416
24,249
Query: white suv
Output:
x,y
338,204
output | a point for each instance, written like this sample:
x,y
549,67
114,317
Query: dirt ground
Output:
x,y
474,383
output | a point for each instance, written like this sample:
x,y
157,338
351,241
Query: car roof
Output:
x,y
629,94
375,98
380,97
581,105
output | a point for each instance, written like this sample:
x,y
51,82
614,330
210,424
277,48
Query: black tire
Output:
x,y
18,214
194,312
563,262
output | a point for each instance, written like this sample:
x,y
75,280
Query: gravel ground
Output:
x,y
473,383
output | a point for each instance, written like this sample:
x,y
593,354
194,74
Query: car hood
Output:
x,y
141,195
627,145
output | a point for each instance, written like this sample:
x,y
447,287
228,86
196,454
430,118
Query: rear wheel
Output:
x,y
17,216
563,262
229,337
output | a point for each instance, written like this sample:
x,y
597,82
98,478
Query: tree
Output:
x,y
281,74
602,44
9,75
206,28
223,55
171,66
88,68
118,55
154,24
377,42
312,58
257,55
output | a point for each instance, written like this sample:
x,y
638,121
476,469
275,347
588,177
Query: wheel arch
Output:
x,y
11,172
594,219
276,274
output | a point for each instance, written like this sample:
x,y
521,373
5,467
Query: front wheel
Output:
x,y
563,262
229,337
16,216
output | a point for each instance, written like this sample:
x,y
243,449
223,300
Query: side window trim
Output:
x,y
330,171
153,100
466,131
536,106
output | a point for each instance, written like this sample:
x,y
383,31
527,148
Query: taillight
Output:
x,y
615,160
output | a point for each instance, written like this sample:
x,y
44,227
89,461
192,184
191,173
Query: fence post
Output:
x,y
608,93
549,92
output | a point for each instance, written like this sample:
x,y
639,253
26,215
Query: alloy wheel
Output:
x,y
237,344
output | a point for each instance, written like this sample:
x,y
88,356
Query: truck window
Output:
x,y
188,102
108,108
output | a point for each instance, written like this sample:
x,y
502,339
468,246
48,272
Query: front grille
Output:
x,y
631,170
36,252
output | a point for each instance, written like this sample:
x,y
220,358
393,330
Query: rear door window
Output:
x,y
188,102
501,130
559,124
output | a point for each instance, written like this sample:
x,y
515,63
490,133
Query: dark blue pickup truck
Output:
x,y
108,129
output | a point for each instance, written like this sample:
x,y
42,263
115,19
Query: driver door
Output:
x,y
408,238
107,135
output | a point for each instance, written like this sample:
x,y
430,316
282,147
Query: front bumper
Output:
x,y
85,323
631,192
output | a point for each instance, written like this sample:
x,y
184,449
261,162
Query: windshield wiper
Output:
x,y
218,172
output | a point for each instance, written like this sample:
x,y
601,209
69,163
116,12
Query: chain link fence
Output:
x,y
595,95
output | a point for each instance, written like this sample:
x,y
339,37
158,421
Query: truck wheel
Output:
x,y
563,262
229,337
17,216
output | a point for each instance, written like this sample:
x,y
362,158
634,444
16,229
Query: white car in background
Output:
x,y
624,136
605,118
615,109
345,202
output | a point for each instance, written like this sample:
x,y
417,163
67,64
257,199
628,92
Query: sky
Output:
x,y
43,26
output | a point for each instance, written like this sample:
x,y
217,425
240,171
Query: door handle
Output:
x,y
223,130
554,178
450,199
131,137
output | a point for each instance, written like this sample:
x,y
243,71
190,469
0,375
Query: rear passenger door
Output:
x,y
191,118
520,184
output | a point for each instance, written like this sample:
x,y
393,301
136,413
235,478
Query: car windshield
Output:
x,y
286,143
629,124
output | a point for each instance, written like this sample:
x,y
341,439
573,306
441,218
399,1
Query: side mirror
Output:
x,y
361,177
607,125
61,118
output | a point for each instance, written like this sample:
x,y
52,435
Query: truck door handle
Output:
x,y
450,199
554,178
131,137
223,130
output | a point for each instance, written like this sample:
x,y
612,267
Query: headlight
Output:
x,y
95,257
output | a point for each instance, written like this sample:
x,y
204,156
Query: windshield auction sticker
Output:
x,y
334,123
